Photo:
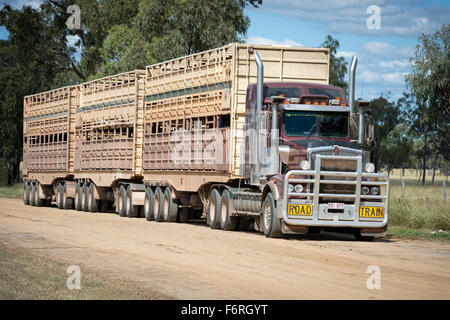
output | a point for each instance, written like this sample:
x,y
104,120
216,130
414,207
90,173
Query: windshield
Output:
x,y
315,124
287,92
331,93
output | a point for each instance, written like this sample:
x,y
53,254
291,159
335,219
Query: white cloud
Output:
x,y
346,54
18,4
398,17
262,40
392,64
385,50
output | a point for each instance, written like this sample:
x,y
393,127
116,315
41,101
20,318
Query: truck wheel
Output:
x,y
26,193
58,196
77,200
84,197
272,225
132,210
38,202
93,203
148,204
157,205
67,202
121,203
170,207
227,222
214,206
183,215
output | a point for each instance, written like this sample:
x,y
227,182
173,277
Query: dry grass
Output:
x,y
423,207
26,275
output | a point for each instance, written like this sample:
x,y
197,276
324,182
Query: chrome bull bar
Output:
x,y
352,220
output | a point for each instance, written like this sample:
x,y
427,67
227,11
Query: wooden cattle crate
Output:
x,y
209,88
109,124
48,133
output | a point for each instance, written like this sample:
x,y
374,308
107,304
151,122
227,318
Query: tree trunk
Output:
x,y
424,165
434,168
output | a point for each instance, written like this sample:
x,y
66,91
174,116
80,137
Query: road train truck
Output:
x,y
242,136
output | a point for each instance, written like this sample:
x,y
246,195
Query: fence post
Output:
x,y
445,191
403,187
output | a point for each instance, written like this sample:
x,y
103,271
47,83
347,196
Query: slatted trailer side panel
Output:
x,y
109,128
48,134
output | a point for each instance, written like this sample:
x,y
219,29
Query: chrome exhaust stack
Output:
x,y
259,104
351,84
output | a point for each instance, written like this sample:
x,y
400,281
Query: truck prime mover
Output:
x,y
240,135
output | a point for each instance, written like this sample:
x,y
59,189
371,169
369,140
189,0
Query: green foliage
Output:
x,y
396,147
338,66
429,83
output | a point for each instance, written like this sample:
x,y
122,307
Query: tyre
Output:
x,y
93,203
26,192
58,195
67,203
227,222
272,225
157,205
131,209
78,195
148,204
170,207
85,197
214,206
121,203
38,201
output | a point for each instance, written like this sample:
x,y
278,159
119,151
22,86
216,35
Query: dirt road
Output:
x,y
191,261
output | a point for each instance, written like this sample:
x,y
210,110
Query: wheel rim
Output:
x,y
156,206
212,211
120,202
267,215
77,200
166,207
83,199
36,194
223,213
147,206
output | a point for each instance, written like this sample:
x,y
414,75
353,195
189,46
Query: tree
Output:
x,y
166,29
386,117
396,148
338,66
429,84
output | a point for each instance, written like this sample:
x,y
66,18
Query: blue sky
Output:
x,y
383,54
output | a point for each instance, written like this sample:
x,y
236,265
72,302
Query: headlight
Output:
x,y
374,190
298,188
369,167
304,165
365,190
290,188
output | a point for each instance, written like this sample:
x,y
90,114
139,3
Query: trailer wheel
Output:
x,y
26,192
214,206
67,202
35,196
58,195
227,222
85,197
157,205
121,203
170,207
148,204
93,203
132,210
272,225
78,195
